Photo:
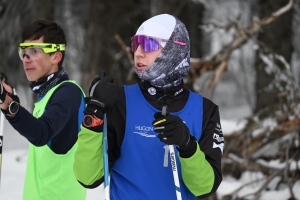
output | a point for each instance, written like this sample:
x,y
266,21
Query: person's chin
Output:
x,y
141,68
30,77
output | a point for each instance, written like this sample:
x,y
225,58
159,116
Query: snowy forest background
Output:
x,y
245,57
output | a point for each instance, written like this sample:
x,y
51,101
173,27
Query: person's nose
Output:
x,y
26,58
139,51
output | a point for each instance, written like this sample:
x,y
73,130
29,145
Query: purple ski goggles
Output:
x,y
149,43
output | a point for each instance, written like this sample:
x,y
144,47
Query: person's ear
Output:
x,y
57,56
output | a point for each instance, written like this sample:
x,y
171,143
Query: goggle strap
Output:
x,y
49,48
61,47
180,43
176,42
135,42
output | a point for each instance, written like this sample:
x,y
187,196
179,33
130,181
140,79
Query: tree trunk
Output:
x,y
107,18
10,38
276,36
43,9
73,18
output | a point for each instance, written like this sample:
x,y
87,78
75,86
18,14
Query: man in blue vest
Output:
x,y
52,129
139,132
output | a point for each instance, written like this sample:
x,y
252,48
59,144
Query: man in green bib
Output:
x,y
52,128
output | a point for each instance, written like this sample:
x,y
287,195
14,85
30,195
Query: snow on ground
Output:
x,y
15,156
13,174
229,126
230,184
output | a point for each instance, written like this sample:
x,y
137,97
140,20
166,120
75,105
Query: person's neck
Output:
x,y
45,78
43,85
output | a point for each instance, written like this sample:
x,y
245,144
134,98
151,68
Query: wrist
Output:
x,y
94,110
93,123
12,109
186,151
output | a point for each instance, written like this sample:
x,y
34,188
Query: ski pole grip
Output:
x,y
102,74
3,77
3,92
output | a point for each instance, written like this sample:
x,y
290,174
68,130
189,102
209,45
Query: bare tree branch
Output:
x,y
241,36
232,194
212,82
286,170
279,12
179,8
129,56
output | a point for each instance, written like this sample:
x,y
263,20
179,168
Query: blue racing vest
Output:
x,y
139,172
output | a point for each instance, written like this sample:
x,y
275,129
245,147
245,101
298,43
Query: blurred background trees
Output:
x,y
244,58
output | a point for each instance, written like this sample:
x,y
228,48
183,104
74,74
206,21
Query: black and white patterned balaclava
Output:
x,y
42,86
173,63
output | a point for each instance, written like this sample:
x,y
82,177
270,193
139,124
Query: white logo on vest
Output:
x,y
152,91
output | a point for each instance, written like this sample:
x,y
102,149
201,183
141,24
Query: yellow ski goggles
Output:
x,y
33,51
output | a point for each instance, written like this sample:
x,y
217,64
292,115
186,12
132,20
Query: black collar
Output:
x,y
174,97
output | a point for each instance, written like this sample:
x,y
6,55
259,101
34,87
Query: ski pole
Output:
x,y
173,162
105,154
1,139
105,147
3,77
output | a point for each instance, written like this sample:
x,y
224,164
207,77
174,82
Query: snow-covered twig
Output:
x,y
232,194
257,194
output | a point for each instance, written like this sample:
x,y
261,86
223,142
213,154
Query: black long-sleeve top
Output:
x,y
59,123
211,130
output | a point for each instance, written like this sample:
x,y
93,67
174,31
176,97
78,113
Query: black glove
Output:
x,y
102,96
3,93
172,130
